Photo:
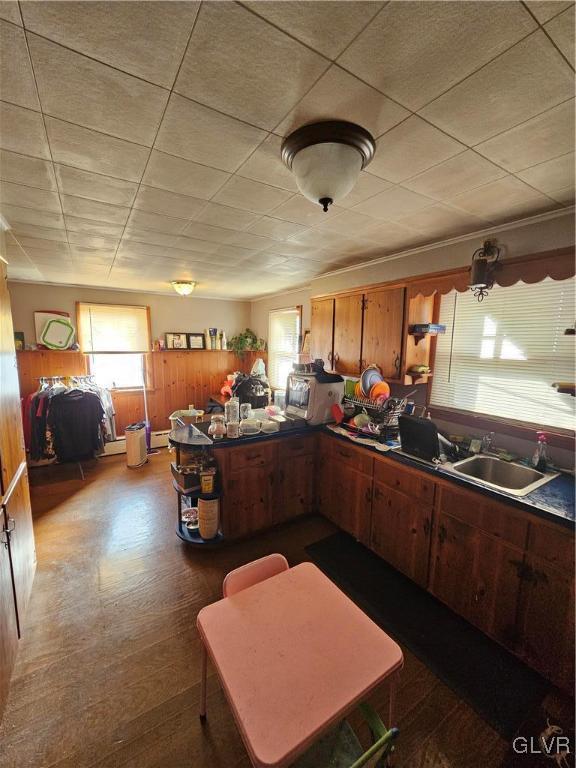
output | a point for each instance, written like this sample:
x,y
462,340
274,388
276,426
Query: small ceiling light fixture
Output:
x,y
484,262
183,287
326,158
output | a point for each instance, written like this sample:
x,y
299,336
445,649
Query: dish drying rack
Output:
x,y
385,414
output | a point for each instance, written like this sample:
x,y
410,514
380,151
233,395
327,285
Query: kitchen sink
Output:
x,y
496,473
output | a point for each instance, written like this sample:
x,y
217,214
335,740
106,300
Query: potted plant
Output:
x,y
247,341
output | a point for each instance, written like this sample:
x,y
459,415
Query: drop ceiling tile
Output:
x,y
85,255
263,261
178,175
134,234
145,39
200,231
552,175
276,228
499,199
95,186
394,203
15,215
367,186
29,197
526,80
326,27
317,237
458,174
338,95
349,223
295,248
564,196
17,78
251,195
92,209
26,170
415,51
44,233
393,236
92,227
442,220
242,66
251,241
195,245
561,30
92,151
93,241
218,141
23,131
31,244
9,11
80,90
166,224
546,9
299,210
266,165
225,216
410,148
544,137
168,203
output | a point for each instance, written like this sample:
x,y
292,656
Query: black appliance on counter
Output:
x,y
251,389
421,439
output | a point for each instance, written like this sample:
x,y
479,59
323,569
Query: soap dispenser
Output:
x,y
539,459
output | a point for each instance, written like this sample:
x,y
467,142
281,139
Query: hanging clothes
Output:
x,y
75,421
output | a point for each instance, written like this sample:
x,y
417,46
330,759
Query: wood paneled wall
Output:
x,y
176,379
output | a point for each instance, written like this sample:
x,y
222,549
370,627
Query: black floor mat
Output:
x,y
502,689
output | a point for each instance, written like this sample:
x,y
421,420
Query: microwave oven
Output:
x,y
311,396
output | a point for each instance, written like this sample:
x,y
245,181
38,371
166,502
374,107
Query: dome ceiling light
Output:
x,y
183,287
326,158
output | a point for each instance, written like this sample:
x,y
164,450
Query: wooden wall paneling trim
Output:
x,y
531,268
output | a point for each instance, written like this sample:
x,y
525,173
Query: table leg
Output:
x,y
203,684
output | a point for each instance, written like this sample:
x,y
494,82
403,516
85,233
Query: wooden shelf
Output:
x,y
416,378
194,538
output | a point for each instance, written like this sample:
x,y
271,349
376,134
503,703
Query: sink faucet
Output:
x,y
487,443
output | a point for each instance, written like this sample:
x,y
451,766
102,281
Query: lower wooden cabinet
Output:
x,y
295,488
401,532
350,501
248,500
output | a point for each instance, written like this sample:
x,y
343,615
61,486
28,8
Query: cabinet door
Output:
x,y
249,500
478,576
401,532
295,488
324,478
382,335
321,330
8,623
351,501
347,334
546,621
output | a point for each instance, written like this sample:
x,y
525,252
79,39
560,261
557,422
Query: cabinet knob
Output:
x,y
397,363
336,357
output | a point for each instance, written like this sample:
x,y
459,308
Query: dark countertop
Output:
x,y
554,501
287,429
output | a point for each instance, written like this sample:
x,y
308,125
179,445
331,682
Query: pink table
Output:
x,y
294,656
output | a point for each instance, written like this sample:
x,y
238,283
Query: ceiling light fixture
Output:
x,y
484,262
326,158
183,287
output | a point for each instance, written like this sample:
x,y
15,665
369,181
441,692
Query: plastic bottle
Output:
x,y
539,460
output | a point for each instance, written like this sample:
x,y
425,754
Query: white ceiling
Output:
x,y
141,140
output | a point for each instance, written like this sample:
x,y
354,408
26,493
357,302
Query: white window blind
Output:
x,y
283,338
113,328
501,357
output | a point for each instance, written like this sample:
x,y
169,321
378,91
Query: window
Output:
x,y
113,328
501,357
283,339
117,371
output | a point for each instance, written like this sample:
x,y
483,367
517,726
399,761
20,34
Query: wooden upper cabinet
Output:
x,y
383,327
347,333
322,330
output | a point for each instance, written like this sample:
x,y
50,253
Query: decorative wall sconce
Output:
x,y
484,262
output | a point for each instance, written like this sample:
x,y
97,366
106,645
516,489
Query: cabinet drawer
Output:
x,y
552,543
295,446
485,513
257,455
355,458
409,481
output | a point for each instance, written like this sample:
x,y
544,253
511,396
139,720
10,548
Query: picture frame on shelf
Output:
x,y
196,341
19,341
176,341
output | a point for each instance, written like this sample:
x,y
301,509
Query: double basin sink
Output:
x,y
514,479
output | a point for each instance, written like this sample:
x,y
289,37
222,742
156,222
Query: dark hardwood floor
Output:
x,y
108,671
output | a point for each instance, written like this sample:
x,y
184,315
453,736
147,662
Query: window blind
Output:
x,y
501,357
283,339
113,328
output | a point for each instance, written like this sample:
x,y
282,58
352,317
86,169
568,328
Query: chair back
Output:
x,y
254,572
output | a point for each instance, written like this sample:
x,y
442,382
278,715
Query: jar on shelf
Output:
x,y
217,428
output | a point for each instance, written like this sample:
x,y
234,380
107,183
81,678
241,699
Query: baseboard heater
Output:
x,y
158,440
